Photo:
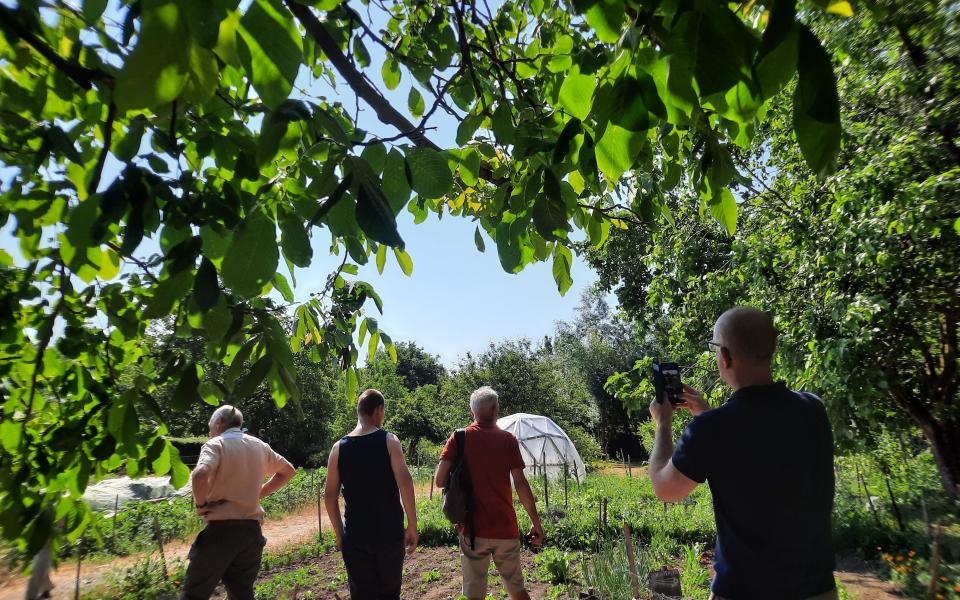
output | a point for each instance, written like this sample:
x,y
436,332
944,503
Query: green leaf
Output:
x,y
360,52
10,435
816,106
185,395
179,472
502,124
576,93
404,260
373,213
430,174
606,17
226,47
252,380
562,261
202,75
381,260
390,71
478,239
724,210
372,346
155,72
467,128
161,465
776,60
128,147
394,183
623,104
271,49
166,293
470,167
549,211
561,51
253,255
93,9
616,151
415,103
294,239
711,42
281,284
206,288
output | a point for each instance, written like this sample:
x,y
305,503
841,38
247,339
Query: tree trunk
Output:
x,y
944,438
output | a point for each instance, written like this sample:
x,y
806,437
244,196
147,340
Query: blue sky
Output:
x,y
457,299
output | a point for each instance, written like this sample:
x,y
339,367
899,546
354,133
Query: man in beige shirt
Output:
x,y
227,488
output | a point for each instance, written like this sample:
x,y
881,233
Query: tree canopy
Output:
x,y
157,150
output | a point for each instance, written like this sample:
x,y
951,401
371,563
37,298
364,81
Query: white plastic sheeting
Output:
x,y
102,495
544,446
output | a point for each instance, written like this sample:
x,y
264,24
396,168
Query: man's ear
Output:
x,y
726,357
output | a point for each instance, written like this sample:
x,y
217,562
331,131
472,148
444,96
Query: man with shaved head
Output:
x,y
767,455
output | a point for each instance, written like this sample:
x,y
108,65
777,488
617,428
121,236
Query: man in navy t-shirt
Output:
x,y
768,457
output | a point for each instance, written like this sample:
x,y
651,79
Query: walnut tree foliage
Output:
x,y
861,270
169,159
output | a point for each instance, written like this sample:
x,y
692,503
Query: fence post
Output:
x,y
76,583
431,487
631,560
566,501
113,533
159,535
629,467
319,514
935,565
546,488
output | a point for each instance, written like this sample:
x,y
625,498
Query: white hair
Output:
x,y
483,397
229,416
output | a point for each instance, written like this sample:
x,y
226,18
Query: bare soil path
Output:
x,y
279,532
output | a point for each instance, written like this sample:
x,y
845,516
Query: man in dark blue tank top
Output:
x,y
368,465
768,457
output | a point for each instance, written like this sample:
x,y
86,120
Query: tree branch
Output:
x,y
80,75
385,111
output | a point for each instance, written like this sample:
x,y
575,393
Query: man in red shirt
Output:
x,y
493,456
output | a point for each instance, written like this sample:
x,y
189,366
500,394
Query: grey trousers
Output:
x,y
831,595
225,550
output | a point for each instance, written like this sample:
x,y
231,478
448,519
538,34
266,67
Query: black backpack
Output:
x,y
458,495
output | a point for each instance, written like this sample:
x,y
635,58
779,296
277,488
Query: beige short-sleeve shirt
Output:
x,y
239,463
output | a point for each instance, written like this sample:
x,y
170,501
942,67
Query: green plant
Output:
x,y
694,577
607,572
145,580
555,566
431,575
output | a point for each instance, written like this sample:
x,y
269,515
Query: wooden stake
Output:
x,y
629,467
935,565
163,558
546,488
631,560
76,584
431,487
319,514
113,533
566,502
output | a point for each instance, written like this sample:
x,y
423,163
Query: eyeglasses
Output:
x,y
713,346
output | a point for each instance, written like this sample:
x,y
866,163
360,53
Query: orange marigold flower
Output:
x,y
943,578
911,553
957,588
899,558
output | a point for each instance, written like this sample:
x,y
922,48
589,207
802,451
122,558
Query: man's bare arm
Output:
x,y
279,479
200,482
669,484
407,496
525,494
331,493
443,470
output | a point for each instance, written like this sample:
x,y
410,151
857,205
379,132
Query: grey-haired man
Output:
x,y
228,483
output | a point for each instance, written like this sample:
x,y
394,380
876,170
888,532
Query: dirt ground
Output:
x,y
431,573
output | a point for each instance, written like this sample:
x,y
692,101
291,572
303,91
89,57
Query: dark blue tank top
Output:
x,y
373,512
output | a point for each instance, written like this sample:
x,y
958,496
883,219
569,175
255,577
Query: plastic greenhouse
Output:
x,y
544,446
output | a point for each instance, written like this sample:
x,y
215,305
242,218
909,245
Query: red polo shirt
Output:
x,y
491,454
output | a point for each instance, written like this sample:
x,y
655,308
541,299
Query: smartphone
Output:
x,y
666,381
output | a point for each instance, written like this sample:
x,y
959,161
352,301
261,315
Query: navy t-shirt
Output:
x,y
768,457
